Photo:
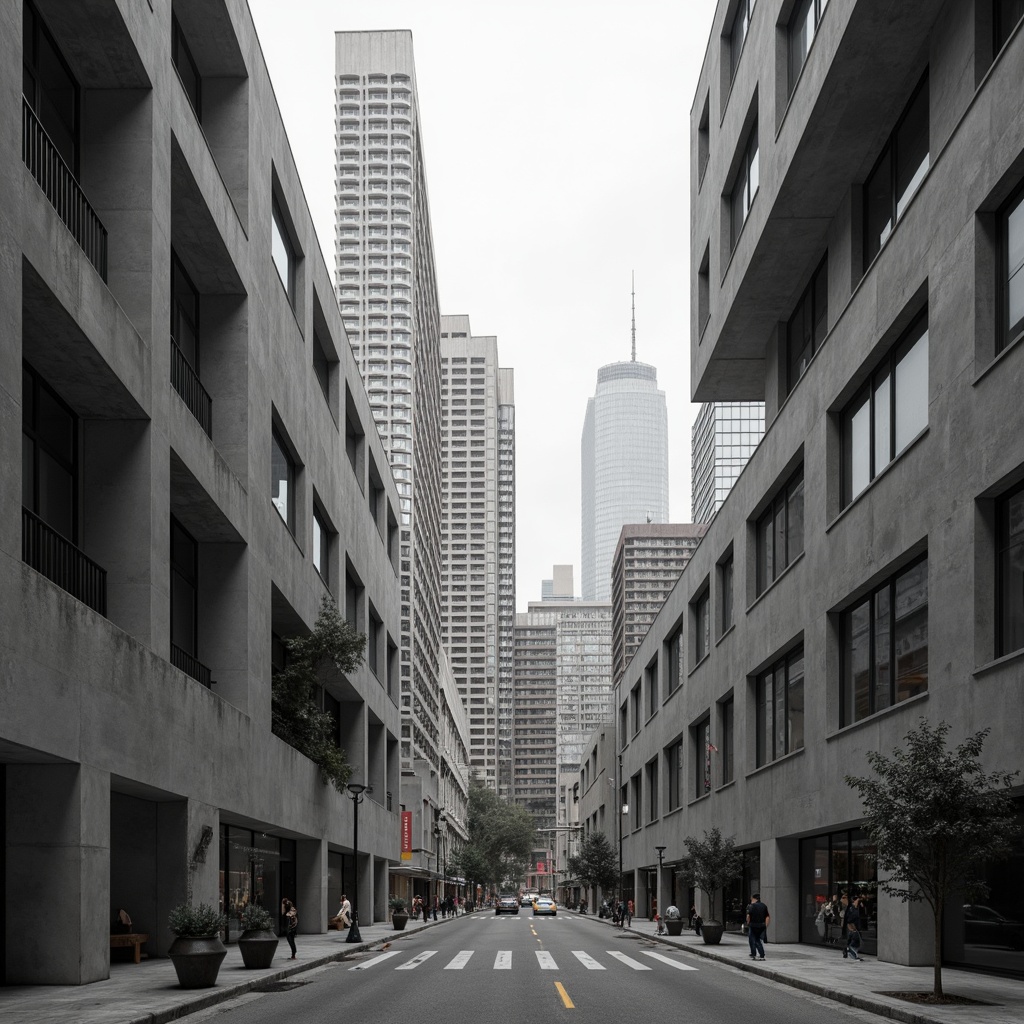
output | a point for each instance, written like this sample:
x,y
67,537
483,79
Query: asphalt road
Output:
x,y
485,969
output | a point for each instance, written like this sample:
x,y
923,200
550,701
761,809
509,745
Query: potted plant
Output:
x,y
197,952
257,942
399,916
712,863
673,921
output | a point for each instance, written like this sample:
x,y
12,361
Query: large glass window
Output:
x,y
884,645
736,895
702,626
675,659
49,456
674,774
184,590
321,546
49,87
807,326
802,25
187,69
1011,227
1007,14
780,532
726,593
745,187
780,708
1010,572
283,252
282,481
888,412
701,733
738,34
184,314
727,721
900,169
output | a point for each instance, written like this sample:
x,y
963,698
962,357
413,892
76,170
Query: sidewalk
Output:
x,y
823,971
148,993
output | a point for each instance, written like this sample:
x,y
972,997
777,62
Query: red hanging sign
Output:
x,y
406,835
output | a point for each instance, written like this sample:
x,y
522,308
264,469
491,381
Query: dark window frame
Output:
x,y
1002,26
277,440
778,507
727,593
1004,550
727,739
702,625
749,160
763,680
674,666
1008,332
700,736
741,19
180,49
674,774
807,311
321,552
816,8
180,276
186,575
279,226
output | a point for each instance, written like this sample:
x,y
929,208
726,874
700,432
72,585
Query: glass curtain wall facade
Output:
x,y
725,435
254,868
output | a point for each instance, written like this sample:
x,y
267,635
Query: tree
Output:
x,y
296,714
596,862
501,837
711,863
936,817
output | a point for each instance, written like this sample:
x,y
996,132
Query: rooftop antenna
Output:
x,y
632,279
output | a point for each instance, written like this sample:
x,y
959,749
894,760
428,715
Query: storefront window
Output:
x,y
254,868
737,896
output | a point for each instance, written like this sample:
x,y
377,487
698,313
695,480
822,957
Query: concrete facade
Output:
x,y
135,718
692,726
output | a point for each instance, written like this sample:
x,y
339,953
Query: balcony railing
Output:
x,y
62,190
186,382
56,558
190,666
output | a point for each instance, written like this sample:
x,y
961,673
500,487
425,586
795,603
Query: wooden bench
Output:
x,y
135,939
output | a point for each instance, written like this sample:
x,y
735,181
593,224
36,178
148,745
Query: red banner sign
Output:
x,y
406,835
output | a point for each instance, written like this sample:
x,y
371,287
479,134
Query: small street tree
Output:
x,y
296,715
711,864
936,817
596,863
501,836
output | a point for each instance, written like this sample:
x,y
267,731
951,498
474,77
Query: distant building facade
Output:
x,y
725,435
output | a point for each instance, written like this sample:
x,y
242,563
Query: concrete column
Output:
x,y
311,885
171,868
58,872
905,930
780,888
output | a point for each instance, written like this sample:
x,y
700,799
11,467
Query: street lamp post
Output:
x,y
657,897
355,791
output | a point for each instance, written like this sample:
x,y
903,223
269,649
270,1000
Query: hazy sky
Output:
x,y
556,141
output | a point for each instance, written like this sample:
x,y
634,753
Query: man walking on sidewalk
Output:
x,y
758,920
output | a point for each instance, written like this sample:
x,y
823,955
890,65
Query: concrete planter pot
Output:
x,y
399,921
258,948
675,927
197,961
712,932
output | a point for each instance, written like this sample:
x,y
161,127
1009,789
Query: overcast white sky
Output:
x,y
556,138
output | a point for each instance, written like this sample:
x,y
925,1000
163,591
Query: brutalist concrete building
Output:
x,y
190,465
857,236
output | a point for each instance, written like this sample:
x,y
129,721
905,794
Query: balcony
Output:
x,y
190,666
64,193
56,558
186,382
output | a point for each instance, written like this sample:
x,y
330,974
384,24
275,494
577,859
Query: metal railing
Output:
x,y
190,666
56,558
61,188
186,382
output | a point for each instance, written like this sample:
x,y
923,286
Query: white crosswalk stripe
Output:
x,y
628,961
503,961
588,961
417,960
375,961
546,960
677,964
459,961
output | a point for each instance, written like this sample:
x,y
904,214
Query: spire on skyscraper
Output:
x,y
632,279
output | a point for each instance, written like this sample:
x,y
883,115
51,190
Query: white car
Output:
x,y
543,905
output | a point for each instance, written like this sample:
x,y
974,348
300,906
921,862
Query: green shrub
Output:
x,y
195,922
255,918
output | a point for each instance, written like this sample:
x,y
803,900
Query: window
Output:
x,y
675,659
1007,14
780,532
725,590
888,412
884,645
704,291
745,187
652,790
702,748
780,709
184,314
184,589
283,252
49,456
651,682
807,326
1010,572
727,725
353,599
321,368
634,700
282,481
373,638
703,139
802,26
355,438
702,626
188,71
321,546
1011,277
49,88
674,774
897,174
738,34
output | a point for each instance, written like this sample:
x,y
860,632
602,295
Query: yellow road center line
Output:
x,y
568,1003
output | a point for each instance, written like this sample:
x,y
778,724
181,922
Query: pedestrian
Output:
x,y
660,925
434,905
629,913
622,913
345,912
851,927
758,920
291,923
696,921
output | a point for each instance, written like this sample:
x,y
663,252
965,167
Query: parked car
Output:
x,y
526,900
543,905
984,926
507,904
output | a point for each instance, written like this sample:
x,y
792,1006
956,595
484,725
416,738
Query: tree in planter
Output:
x,y
296,714
711,864
501,836
596,863
936,817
